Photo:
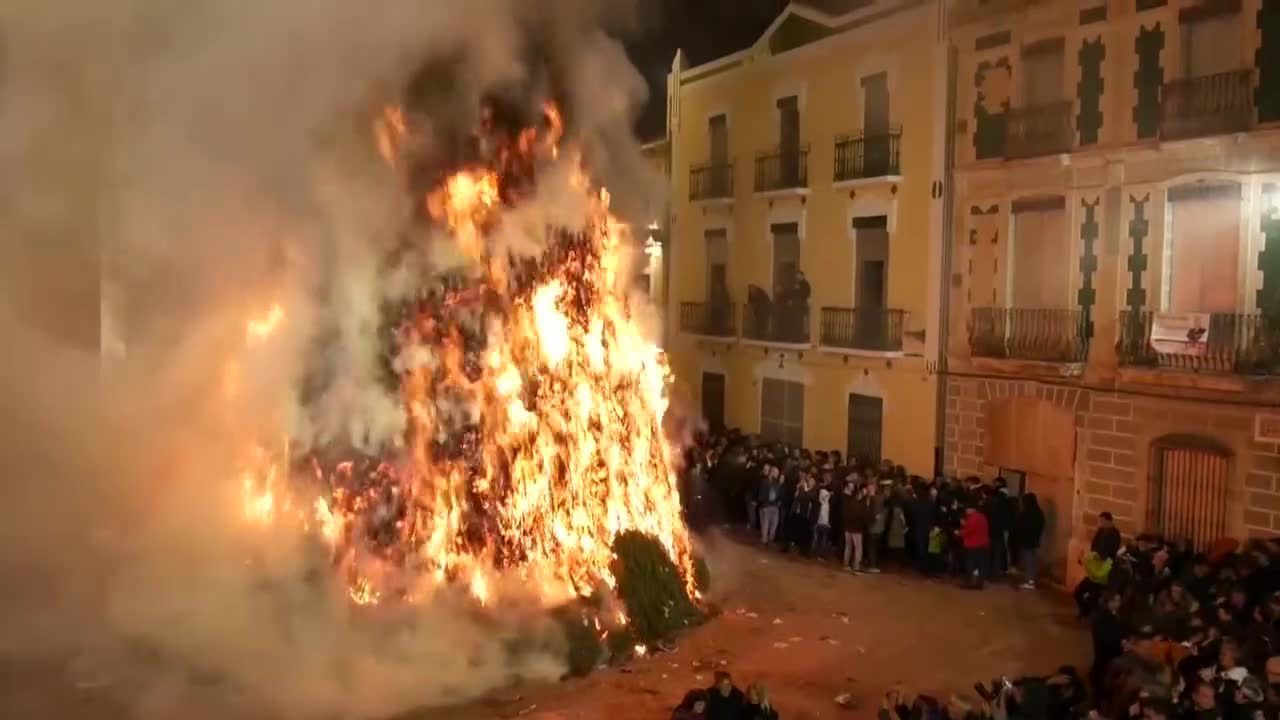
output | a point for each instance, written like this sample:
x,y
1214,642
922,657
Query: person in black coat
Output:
x,y
1106,541
1028,529
1108,641
924,516
999,511
724,700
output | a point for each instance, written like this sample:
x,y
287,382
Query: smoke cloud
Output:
x,y
172,169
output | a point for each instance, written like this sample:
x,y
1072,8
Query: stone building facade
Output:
x,y
1113,282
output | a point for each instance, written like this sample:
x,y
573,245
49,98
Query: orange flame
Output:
x,y
562,442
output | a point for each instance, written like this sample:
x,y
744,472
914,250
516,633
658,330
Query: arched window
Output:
x,y
1187,494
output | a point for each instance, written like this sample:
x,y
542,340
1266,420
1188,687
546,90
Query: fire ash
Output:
x,y
534,406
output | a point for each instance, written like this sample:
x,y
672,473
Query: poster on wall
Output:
x,y
1180,333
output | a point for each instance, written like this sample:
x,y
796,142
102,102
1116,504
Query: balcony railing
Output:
x,y
867,155
711,181
782,170
1236,344
1208,105
1039,130
1046,335
862,329
776,323
709,319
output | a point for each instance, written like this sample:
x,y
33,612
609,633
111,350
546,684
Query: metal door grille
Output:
x,y
1188,497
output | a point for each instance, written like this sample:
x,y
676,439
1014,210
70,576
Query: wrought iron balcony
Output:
x,y
782,170
867,155
784,323
861,329
1235,344
1208,105
709,319
1039,130
711,181
1046,335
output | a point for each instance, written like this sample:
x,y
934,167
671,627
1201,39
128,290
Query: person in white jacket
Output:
x,y
822,524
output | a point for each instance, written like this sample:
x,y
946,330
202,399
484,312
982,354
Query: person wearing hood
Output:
x,y
1028,529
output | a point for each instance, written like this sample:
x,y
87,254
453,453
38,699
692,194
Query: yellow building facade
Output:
x,y
819,150
1113,284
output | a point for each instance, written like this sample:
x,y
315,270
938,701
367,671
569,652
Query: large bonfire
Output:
x,y
533,405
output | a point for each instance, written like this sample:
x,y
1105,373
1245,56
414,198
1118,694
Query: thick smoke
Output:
x,y
172,169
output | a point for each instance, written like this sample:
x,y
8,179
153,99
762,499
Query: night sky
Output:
x,y
705,29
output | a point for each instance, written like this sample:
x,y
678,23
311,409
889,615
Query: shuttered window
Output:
x,y
1202,272
866,423
1187,499
782,411
1041,256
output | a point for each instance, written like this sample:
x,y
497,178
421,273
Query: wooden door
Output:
x,y
713,400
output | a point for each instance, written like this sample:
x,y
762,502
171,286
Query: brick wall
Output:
x,y
1114,435
1106,450
967,400
1262,483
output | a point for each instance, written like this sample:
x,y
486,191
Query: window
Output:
x,y
1208,45
718,138
1040,262
1187,497
713,400
875,125
786,253
1203,250
789,140
866,424
1014,480
718,135
1042,73
871,275
782,411
717,263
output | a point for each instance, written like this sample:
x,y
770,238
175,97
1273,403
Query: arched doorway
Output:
x,y
1188,488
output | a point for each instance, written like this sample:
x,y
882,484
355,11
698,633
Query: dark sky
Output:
x,y
705,29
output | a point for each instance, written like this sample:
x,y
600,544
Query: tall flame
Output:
x,y
535,408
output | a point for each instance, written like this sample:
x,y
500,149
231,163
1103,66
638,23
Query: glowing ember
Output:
x,y
534,407
262,328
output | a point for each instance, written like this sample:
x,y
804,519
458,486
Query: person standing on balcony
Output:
x,y
718,310
801,300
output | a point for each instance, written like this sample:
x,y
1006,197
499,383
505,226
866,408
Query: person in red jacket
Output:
x,y
975,535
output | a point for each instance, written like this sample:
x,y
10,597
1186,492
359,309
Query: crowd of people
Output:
x,y
1179,632
725,701
864,515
